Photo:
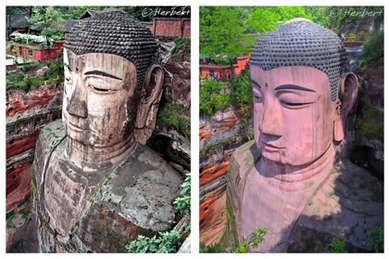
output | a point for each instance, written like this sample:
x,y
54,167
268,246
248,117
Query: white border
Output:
x,y
194,121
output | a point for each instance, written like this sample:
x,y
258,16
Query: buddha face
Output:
x,y
100,101
293,113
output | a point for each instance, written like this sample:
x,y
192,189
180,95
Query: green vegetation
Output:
x,y
175,115
241,88
20,80
55,139
215,248
181,204
182,49
222,34
373,49
370,121
213,96
376,237
227,32
222,143
336,246
9,217
267,18
254,239
165,242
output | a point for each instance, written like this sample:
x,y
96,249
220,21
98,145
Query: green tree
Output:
x,y
46,17
266,18
222,33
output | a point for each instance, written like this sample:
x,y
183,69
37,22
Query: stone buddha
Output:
x,y
97,185
301,96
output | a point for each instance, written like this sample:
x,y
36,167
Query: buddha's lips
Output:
x,y
270,147
75,127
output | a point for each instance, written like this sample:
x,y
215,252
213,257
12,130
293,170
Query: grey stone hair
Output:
x,y
302,43
113,32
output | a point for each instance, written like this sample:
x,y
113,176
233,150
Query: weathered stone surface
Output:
x,y
224,124
209,173
347,206
185,247
172,145
22,235
103,210
177,82
18,101
18,185
212,216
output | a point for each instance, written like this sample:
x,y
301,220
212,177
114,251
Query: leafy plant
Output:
x,y
175,115
9,217
376,237
214,248
336,246
369,122
373,49
165,242
212,97
181,204
255,238
241,88
222,33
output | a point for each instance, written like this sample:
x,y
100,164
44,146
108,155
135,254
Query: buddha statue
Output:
x,y
301,97
97,185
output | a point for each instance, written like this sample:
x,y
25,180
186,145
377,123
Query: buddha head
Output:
x,y
301,93
111,83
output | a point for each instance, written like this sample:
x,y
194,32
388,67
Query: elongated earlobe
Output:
x,y
149,103
338,128
348,92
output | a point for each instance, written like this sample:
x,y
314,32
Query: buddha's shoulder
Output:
x,y
52,132
245,156
142,189
144,158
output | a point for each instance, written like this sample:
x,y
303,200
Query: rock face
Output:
x,y
347,206
177,82
219,137
100,211
26,114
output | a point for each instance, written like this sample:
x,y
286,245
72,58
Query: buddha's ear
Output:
x,y
348,92
149,101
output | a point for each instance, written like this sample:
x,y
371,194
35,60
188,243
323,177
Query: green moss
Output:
x,y
223,142
370,122
133,182
336,246
33,185
175,115
376,238
107,179
214,248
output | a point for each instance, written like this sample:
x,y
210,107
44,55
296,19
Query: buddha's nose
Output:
x,y
272,123
77,104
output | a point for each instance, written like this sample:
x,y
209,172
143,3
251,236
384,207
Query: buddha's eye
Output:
x,y
101,90
294,104
258,98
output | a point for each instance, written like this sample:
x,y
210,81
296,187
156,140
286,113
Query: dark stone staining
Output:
x,y
104,224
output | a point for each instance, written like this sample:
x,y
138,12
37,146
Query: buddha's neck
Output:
x,y
90,158
294,178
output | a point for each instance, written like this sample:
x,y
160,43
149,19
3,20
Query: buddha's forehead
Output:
x,y
306,76
99,61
